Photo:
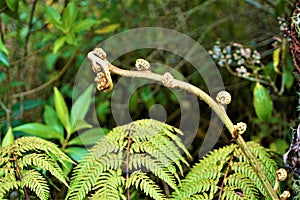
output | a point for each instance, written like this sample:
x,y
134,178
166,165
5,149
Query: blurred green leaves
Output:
x,y
61,125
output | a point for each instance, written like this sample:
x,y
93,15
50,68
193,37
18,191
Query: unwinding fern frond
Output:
x,y
147,145
30,155
227,170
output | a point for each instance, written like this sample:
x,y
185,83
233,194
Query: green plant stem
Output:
x,y
217,108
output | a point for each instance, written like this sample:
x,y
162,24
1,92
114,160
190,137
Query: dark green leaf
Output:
x,y
76,152
70,15
62,110
52,120
4,59
83,25
12,5
89,137
262,103
81,105
40,130
8,138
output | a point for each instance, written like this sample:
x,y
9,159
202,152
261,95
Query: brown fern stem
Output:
x,y
225,176
127,161
20,175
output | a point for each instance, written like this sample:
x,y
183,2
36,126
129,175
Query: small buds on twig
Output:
x,y
223,98
167,79
142,65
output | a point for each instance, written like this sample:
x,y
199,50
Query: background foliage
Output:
x,y
44,43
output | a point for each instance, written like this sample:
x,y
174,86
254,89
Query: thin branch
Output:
x,y
20,175
224,179
127,160
45,85
221,113
29,28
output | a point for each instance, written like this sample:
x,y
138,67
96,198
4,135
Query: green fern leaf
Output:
x,y
37,183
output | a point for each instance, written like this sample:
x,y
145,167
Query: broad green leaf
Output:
x,y
108,29
276,60
81,106
51,59
89,137
52,15
4,59
12,5
59,43
3,48
83,25
62,110
262,103
76,153
80,124
51,119
70,15
288,79
8,138
40,130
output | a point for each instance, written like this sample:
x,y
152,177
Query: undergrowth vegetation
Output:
x,y
52,147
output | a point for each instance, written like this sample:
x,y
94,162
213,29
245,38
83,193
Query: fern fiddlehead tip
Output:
x,y
142,65
223,98
168,79
285,195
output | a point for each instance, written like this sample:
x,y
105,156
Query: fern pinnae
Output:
x,y
158,155
248,171
140,160
142,181
240,181
44,162
37,183
8,183
108,185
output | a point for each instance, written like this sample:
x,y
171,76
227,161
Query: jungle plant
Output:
x,y
24,164
62,125
131,154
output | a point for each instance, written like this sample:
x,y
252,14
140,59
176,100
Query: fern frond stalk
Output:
x,y
221,113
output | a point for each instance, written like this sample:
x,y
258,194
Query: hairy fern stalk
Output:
x,y
130,155
22,164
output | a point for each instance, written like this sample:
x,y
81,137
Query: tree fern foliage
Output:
x,y
226,173
23,163
130,156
